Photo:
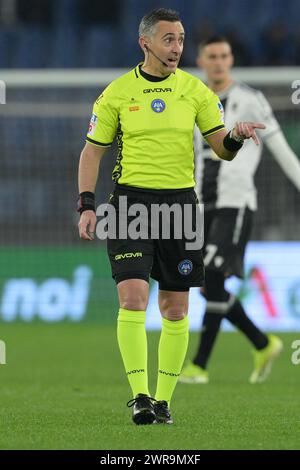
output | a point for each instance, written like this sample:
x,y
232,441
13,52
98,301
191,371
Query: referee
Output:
x,y
152,111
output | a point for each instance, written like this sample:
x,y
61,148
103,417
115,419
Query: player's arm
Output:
x,y
285,157
275,140
210,120
87,178
227,144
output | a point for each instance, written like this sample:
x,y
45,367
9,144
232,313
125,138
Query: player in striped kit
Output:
x,y
229,196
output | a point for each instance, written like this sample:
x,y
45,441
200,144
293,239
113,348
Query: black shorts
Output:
x,y
226,233
165,260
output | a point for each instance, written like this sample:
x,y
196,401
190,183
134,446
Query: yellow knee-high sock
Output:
x,y
171,353
132,341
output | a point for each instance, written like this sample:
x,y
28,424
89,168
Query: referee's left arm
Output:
x,y
227,144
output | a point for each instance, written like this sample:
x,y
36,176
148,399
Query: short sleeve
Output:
x,y
210,117
104,121
263,113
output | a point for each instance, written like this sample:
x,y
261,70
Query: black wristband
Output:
x,y
86,202
230,144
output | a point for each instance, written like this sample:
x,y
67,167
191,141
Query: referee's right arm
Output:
x,y
87,178
89,167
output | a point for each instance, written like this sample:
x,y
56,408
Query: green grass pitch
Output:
x,y
64,387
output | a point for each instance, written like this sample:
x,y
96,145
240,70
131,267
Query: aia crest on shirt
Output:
x,y
158,106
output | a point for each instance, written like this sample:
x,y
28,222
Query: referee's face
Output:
x,y
167,45
216,60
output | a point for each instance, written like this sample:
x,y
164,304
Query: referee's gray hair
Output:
x,y
149,21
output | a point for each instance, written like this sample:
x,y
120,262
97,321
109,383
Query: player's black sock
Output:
x,y
216,308
210,328
237,316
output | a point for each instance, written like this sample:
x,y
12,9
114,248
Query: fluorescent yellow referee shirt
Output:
x,y
154,124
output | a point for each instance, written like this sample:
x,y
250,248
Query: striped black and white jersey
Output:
x,y
231,184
